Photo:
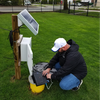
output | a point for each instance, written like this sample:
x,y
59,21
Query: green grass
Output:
x,y
90,8
91,14
83,30
81,11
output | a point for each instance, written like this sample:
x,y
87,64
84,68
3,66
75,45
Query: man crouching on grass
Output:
x,y
69,63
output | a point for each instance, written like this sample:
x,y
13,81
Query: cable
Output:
x,y
48,87
14,30
4,29
10,37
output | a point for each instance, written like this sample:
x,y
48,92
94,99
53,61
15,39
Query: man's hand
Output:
x,y
45,72
48,76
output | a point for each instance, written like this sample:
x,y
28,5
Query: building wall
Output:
x,y
86,1
98,3
70,1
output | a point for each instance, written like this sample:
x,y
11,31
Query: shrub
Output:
x,y
10,2
51,1
15,2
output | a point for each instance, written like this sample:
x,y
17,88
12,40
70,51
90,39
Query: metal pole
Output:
x,y
74,7
69,8
53,5
87,8
12,7
41,6
60,6
27,6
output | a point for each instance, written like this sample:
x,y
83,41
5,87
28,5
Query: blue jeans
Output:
x,y
67,82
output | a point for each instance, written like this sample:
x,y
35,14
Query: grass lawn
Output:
x,y
83,30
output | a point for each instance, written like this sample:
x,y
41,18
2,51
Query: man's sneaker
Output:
x,y
77,88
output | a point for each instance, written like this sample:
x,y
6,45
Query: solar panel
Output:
x,y
29,21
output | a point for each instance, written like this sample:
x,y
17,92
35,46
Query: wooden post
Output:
x,y
15,46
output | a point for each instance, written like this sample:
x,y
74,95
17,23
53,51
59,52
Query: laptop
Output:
x,y
39,79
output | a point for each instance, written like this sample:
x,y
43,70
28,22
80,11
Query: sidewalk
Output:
x,y
38,8
10,9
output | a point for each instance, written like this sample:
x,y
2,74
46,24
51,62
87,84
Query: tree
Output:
x,y
15,2
4,2
65,5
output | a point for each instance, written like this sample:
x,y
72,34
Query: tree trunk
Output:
x,y
23,2
65,5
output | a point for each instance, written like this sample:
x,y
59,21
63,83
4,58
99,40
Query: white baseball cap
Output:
x,y
59,43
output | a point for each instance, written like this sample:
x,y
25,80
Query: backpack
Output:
x,y
10,37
